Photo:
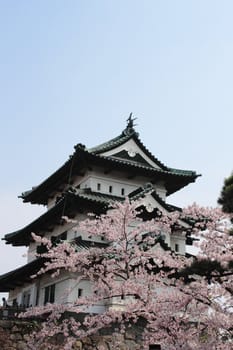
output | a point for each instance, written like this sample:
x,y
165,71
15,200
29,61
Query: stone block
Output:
x,y
21,346
78,345
130,335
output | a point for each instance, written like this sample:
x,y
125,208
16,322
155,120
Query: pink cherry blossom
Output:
x,y
144,286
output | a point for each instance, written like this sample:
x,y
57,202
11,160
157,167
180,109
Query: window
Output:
x,y
58,239
26,298
177,247
98,187
80,292
15,303
41,249
110,189
49,294
63,236
122,191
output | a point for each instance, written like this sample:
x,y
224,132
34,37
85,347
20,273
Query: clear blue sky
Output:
x,y
72,71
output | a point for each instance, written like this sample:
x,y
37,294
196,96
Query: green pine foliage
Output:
x,y
226,196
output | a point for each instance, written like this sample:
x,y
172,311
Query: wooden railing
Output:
x,y
10,312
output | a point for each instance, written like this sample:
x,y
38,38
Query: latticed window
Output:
x,y
49,295
80,292
26,298
177,248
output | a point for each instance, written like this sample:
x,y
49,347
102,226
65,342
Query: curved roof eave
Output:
x,y
82,158
19,276
69,201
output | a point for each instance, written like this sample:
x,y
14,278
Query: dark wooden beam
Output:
x,y
131,176
50,228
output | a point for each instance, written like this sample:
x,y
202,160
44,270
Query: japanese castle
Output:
x,y
89,181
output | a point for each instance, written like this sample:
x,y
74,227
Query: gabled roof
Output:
x,y
148,188
127,134
82,158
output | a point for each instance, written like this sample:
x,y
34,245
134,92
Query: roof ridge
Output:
x,y
126,134
105,146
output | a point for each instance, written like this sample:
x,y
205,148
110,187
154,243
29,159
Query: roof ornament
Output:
x,y
130,121
80,146
130,125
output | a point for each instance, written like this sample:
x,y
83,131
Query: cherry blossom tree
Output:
x,y
143,286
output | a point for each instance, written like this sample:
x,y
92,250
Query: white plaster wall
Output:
x,y
66,290
167,238
93,180
66,287
75,179
62,290
161,191
59,229
62,285
116,179
85,285
180,241
117,185
31,252
18,292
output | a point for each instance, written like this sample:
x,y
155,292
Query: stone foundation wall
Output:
x,y
14,336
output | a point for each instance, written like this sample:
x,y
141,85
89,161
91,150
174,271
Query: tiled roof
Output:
x,y
115,142
182,172
97,196
141,191
75,200
70,201
19,276
81,244
82,157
